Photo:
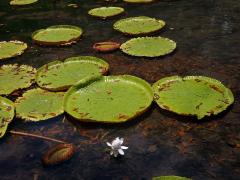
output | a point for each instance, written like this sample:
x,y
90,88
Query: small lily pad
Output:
x,y
139,1
58,154
138,25
22,2
148,46
58,75
170,178
57,35
108,99
6,114
192,95
105,12
38,104
14,77
107,46
10,49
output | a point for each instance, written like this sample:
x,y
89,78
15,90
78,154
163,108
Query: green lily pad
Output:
x,y
192,95
138,25
38,104
139,1
170,178
6,114
57,35
105,12
22,2
148,46
58,75
10,49
14,77
108,99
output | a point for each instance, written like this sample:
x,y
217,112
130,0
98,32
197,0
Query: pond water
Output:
x,y
160,143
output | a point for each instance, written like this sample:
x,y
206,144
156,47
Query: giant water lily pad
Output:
x,y
6,114
138,25
59,75
105,12
148,46
192,95
139,1
170,178
57,35
38,104
108,99
10,49
14,77
22,2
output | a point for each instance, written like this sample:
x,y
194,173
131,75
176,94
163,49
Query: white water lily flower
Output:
x,y
116,147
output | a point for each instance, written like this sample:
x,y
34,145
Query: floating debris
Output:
x,y
107,46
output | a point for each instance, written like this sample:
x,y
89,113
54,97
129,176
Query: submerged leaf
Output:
x,y
108,99
170,178
107,46
192,95
58,154
6,114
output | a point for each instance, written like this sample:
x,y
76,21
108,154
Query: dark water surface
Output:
x,y
160,142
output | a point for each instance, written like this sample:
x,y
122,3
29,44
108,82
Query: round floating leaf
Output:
x,y
38,104
58,154
10,49
138,1
108,99
57,35
14,77
170,178
22,2
192,95
6,114
148,46
59,75
105,12
138,25
108,46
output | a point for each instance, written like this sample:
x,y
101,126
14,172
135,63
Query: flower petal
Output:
x,y
121,140
109,144
115,153
111,153
124,147
121,151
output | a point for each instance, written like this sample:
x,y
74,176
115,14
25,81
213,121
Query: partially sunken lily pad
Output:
x,y
105,12
59,75
138,1
108,99
148,46
14,77
6,114
22,2
192,95
10,49
138,25
57,35
170,178
58,154
107,46
39,104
